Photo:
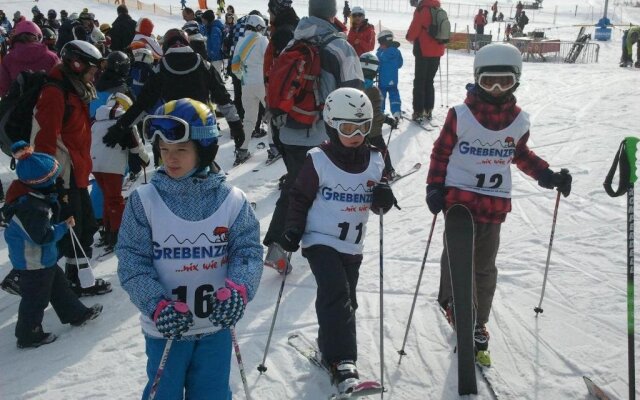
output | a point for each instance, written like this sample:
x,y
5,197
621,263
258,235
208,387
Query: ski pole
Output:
x,y
440,72
625,159
262,368
546,269
415,295
144,172
163,363
381,307
243,376
447,76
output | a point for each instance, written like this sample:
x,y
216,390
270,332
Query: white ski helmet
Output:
x,y
257,22
370,64
347,104
385,36
498,57
357,10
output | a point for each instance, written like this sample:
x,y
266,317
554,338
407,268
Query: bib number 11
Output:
x,y
344,231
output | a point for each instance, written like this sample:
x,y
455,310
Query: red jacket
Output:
x,y
362,37
419,30
68,142
485,209
479,20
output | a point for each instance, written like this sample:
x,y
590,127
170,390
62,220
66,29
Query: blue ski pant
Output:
x,y
394,98
195,369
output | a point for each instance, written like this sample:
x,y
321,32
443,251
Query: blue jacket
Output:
x,y
192,199
30,235
390,62
214,35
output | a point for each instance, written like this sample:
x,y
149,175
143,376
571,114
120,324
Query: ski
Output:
x,y
594,390
104,255
459,237
416,167
309,351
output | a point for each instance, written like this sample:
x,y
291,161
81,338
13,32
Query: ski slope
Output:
x,y
579,113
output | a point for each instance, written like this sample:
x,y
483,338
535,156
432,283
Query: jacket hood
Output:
x,y
181,60
31,52
181,191
109,80
313,29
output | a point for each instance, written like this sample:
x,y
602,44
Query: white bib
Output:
x,y
190,256
481,159
339,214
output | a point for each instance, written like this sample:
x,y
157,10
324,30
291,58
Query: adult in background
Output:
x,y
283,22
188,14
65,33
479,21
62,129
214,33
346,12
5,23
27,53
494,10
123,29
340,68
523,21
362,35
427,52
52,22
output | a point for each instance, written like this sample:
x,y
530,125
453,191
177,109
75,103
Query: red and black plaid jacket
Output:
x,y
485,209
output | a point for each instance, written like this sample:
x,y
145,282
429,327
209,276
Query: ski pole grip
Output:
x,y
631,144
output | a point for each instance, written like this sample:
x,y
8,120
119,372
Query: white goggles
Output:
x,y
501,80
349,129
176,130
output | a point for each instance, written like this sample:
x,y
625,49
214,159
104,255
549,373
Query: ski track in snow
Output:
x,y
579,115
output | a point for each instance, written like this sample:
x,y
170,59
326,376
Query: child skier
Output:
x,y
390,62
32,237
470,165
331,222
110,164
369,63
189,255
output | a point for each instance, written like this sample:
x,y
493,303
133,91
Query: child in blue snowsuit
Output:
x,y
189,256
390,62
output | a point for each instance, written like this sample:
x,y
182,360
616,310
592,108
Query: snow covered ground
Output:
x,y
580,113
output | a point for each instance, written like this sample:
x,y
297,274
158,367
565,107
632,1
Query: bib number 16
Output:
x,y
202,306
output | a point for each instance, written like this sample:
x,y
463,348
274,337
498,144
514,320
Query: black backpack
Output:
x,y
16,108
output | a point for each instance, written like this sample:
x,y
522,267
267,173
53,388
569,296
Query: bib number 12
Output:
x,y
495,179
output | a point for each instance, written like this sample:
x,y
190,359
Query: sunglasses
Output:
x,y
174,130
501,80
349,129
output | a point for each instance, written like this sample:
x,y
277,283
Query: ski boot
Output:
x,y
481,340
273,154
259,132
418,117
242,155
345,376
37,338
91,313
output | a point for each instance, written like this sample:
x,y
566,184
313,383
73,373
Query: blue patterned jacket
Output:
x,y
193,199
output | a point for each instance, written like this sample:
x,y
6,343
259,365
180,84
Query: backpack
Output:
x,y
294,81
440,28
16,108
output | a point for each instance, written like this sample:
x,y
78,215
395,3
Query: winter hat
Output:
x,y
324,9
277,6
208,15
144,26
38,170
17,16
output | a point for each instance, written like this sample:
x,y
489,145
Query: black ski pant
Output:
x,y
38,288
486,244
337,277
294,157
378,141
423,90
237,95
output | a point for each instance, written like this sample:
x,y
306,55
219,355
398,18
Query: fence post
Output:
x,y
576,12
170,13
154,8
555,13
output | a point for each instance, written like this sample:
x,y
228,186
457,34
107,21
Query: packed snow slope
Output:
x,y
579,114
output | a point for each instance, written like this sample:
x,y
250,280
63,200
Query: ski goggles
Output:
x,y
349,129
501,80
174,130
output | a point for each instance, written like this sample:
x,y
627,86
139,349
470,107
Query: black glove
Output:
x,y
290,240
382,199
237,132
392,122
116,134
435,198
560,180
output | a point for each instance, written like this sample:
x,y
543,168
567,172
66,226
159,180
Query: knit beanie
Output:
x,y
324,9
38,170
277,6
